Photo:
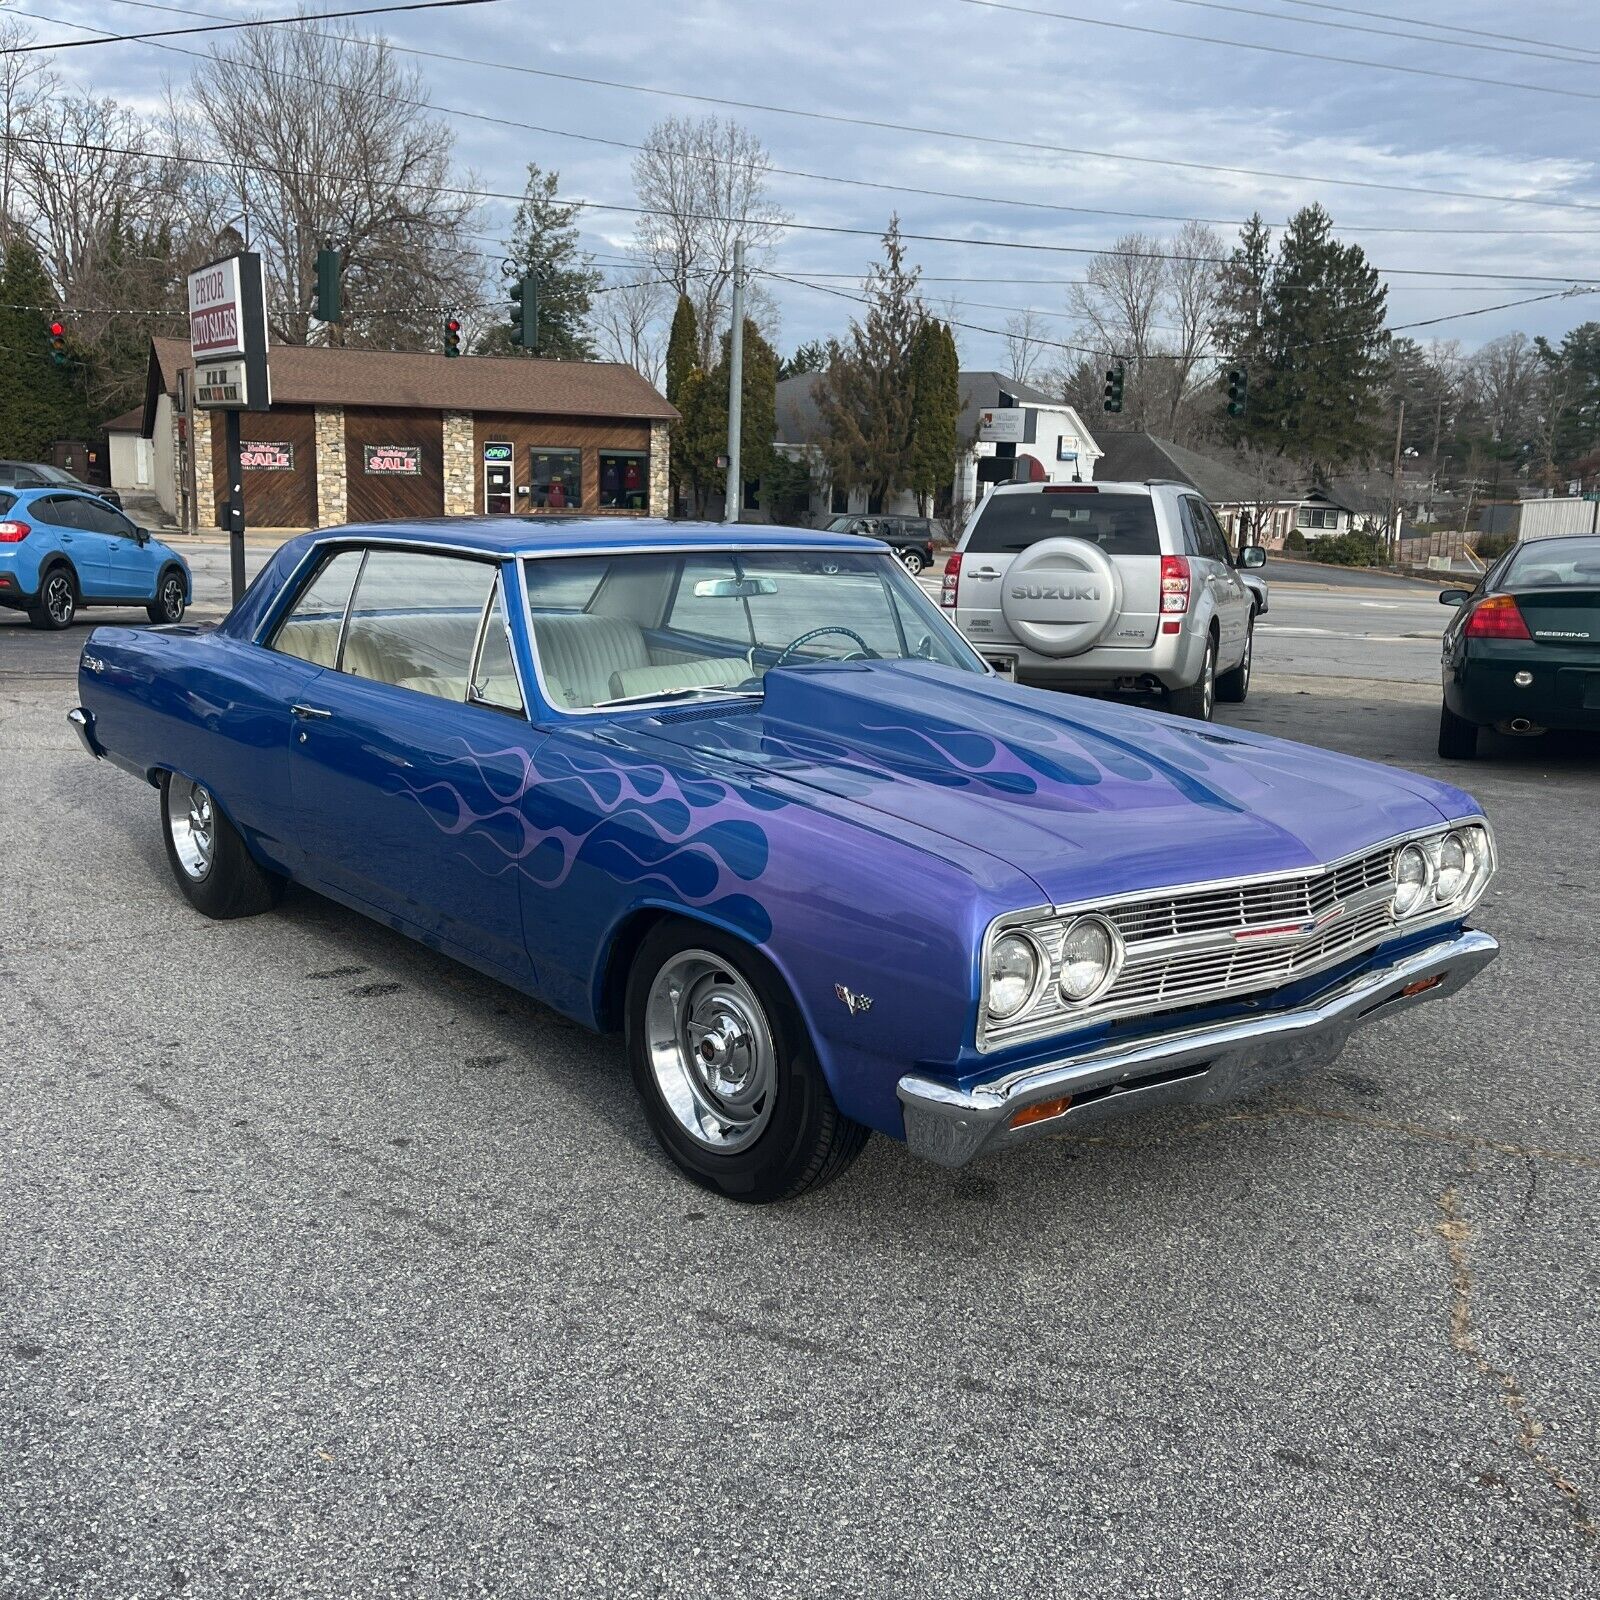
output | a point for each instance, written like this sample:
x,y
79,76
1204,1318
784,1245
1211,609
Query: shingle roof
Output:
x,y
128,422
1133,457
303,375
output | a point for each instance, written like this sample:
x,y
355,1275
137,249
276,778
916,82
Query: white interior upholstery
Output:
x,y
702,672
578,654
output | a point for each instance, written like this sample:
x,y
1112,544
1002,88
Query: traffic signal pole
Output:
x,y
733,499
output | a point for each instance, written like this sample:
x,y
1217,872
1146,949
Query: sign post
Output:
x,y
228,337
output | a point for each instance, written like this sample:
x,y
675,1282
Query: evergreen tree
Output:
x,y
39,401
1322,335
1236,330
1573,393
703,432
865,397
812,356
544,242
682,343
936,404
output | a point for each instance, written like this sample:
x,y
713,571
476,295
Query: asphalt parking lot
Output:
x,y
330,1268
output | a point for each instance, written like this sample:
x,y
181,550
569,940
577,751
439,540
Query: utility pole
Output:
x,y
733,500
1394,488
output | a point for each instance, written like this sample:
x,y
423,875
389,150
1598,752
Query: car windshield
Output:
x,y
1556,564
1121,524
56,475
638,627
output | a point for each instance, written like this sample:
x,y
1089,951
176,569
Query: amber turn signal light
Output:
x,y
1043,1111
1422,985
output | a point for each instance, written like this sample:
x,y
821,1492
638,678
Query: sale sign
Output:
x,y
394,460
256,456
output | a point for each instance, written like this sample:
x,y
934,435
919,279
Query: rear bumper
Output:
x,y
1214,1062
1482,688
1173,661
83,725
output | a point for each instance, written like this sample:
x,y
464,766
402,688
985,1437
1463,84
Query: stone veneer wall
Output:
x,y
333,484
660,460
205,489
460,481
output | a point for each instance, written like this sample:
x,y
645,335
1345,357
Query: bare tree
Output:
x,y
1501,379
25,82
1025,344
330,143
626,320
1191,298
704,186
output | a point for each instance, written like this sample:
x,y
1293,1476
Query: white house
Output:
x,y
1006,432
132,455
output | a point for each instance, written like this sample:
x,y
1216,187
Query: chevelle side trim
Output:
x,y
1215,1062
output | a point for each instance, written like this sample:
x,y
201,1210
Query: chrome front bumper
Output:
x,y
1218,1061
83,725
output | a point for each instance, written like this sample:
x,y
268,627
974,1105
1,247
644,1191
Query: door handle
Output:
x,y
311,713
985,572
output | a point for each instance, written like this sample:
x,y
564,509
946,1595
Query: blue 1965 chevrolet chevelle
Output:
x,y
745,795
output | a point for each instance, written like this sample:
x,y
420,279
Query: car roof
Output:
x,y
1115,486
548,535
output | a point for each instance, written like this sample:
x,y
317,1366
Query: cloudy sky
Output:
x,y
1084,79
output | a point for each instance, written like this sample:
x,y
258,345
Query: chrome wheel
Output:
x,y
912,561
1208,684
172,598
60,603
1249,651
711,1051
191,820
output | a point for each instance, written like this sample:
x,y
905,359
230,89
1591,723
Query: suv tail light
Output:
x,y
14,532
1497,617
952,582
1174,585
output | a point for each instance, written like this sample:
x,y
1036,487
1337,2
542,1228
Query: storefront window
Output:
x,y
555,479
625,479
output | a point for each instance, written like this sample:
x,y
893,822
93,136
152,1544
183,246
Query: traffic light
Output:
x,y
1238,391
525,313
452,336
1114,388
58,344
325,308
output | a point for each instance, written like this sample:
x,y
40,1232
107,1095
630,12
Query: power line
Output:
x,y
833,178
1381,33
969,137
230,27
1284,50
1452,27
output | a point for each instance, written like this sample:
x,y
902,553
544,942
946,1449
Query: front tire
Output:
x,y
217,874
170,600
725,1069
1458,738
1199,700
58,600
1235,685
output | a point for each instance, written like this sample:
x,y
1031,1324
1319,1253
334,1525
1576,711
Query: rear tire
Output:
x,y
1199,700
217,874
912,561
1458,738
725,1069
58,600
1234,686
171,598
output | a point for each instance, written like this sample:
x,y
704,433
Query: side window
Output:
x,y
1193,543
311,629
101,518
1216,540
494,673
414,621
66,511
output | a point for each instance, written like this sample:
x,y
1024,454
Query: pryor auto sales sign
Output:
x,y
216,326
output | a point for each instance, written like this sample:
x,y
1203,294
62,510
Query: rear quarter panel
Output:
x,y
215,709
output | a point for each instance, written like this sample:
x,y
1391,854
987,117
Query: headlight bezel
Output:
x,y
1476,839
1116,947
1041,968
1423,899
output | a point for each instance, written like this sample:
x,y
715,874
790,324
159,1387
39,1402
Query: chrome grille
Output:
x,y
1182,949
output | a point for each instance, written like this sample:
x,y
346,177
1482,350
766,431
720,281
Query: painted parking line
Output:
x,y
1337,633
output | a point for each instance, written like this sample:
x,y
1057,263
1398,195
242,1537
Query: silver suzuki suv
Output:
x,y
1117,588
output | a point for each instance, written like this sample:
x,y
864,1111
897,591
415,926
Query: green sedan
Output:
x,y
1523,653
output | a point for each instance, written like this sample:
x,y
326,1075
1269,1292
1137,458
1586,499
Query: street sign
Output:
x,y
228,334
1003,425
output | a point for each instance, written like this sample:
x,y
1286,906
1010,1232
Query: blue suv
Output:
x,y
61,549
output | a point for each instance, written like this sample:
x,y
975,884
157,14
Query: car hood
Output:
x,y
1087,798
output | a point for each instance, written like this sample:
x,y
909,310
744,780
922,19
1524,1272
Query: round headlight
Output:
x,y
1013,974
1455,869
1089,959
1411,876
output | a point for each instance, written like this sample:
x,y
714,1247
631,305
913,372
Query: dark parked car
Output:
x,y
911,538
1523,653
40,475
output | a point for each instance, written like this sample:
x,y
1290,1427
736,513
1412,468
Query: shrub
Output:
x,y
1294,540
1491,546
1350,550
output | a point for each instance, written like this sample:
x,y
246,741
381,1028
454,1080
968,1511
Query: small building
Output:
x,y
1006,432
132,464
368,435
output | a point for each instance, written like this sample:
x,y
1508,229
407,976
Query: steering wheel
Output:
x,y
789,649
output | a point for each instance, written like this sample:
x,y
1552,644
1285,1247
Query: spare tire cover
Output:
x,y
1060,596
